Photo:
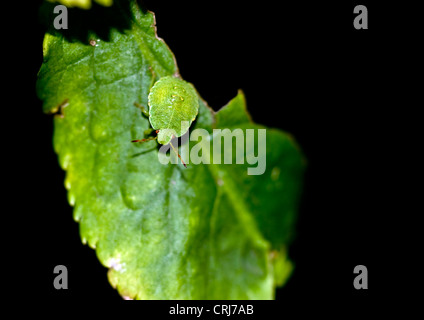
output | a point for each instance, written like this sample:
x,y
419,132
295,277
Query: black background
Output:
x,y
304,69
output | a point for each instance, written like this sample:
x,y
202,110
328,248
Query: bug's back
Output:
x,y
171,102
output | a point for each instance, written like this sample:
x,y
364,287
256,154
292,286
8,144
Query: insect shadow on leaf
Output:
x,y
143,152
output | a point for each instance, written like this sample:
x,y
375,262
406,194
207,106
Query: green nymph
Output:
x,y
173,106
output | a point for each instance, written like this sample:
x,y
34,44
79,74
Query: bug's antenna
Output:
x,y
144,140
178,154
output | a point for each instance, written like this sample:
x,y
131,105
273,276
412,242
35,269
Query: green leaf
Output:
x,y
83,4
210,231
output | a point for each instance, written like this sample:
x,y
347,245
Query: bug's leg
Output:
x,y
143,109
153,78
152,82
177,154
144,140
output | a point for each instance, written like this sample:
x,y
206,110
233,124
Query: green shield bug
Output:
x,y
173,106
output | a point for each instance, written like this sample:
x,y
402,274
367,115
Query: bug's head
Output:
x,y
165,135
